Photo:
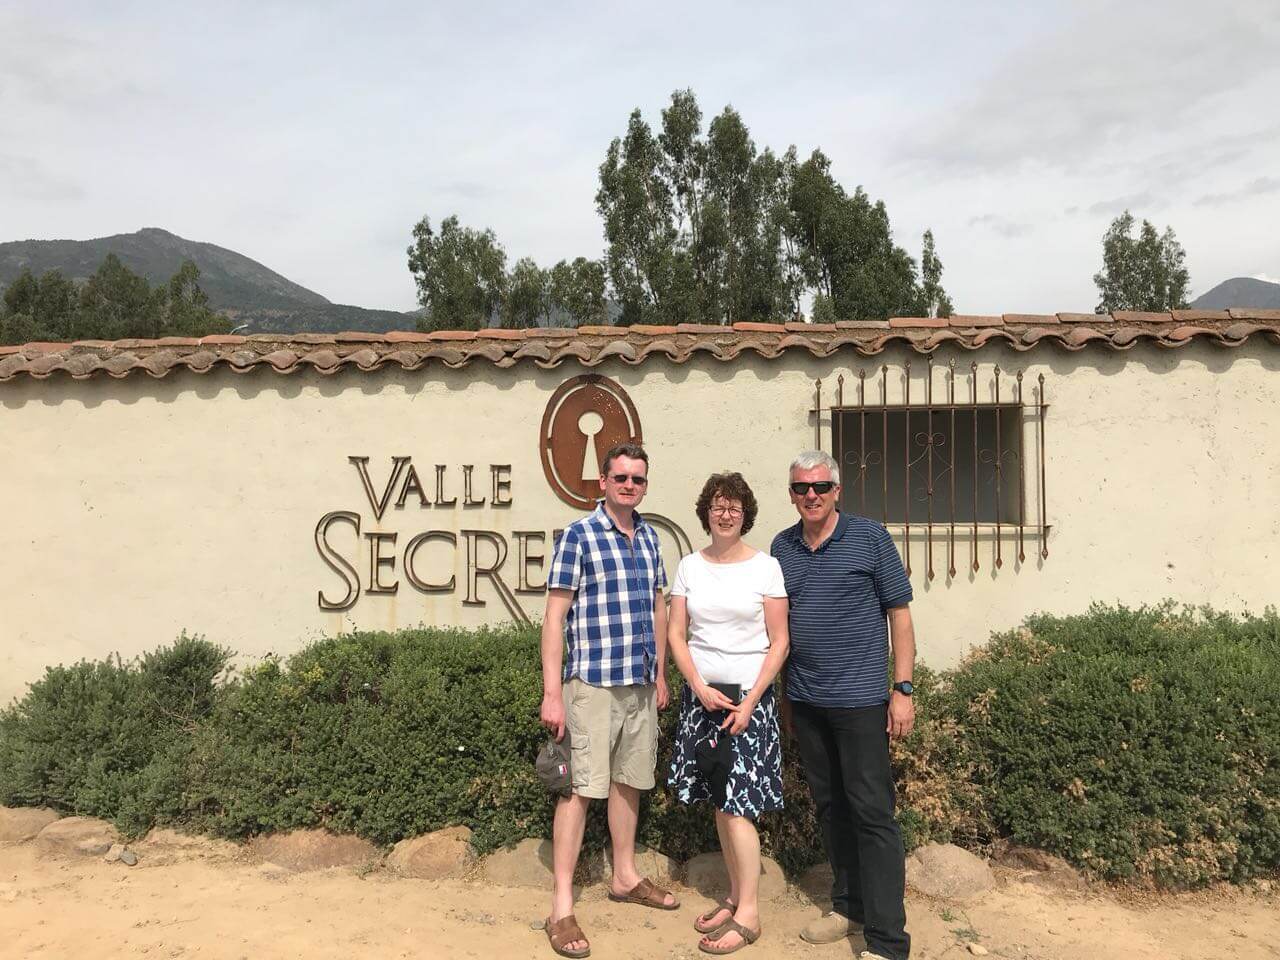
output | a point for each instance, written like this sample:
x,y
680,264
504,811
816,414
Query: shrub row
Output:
x,y
1137,744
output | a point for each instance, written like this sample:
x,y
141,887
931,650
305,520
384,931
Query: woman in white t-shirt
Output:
x,y
727,631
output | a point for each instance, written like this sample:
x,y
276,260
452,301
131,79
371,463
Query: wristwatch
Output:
x,y
905,687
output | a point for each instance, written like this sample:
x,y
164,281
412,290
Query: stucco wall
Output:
x,y
137,508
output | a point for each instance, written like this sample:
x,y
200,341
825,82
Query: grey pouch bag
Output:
x,y
553,768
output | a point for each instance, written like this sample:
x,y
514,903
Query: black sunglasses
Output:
x,y
800,488
639,481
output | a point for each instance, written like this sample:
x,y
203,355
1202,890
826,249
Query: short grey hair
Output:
x,y
812,459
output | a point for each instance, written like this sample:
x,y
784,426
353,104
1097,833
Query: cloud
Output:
x,y
1002,225
1255,188
1111,88
26,177
1266,278
1134,201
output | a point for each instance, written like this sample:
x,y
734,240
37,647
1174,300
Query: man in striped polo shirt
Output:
x,y
605,606
844,582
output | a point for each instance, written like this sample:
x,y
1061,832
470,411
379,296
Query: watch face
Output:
x,y
905,686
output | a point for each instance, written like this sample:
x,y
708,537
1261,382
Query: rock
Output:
x,y
77,836
527,864
978,950
706,874
304,850
1262,885
945,871
128,858
19,824
113,855
433,856
658,867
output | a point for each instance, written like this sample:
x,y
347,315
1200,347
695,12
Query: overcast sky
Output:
x,y
312,136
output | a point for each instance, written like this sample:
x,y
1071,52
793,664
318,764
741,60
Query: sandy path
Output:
x,y
244,911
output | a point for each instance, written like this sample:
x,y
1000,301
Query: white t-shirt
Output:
x,y
727,636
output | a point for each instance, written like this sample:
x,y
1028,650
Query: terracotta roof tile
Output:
x,y
1030,319
590,346
1195,316
1137,316
1186,332
918,321
500,333
1242,329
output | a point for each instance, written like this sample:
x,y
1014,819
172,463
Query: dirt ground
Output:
x,y
216,908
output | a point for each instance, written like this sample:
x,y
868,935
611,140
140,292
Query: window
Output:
x,y
962,458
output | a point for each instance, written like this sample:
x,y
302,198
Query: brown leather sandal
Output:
x,y
566,930
730,926
646,894
704,925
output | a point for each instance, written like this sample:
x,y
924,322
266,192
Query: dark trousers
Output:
x,y
845,753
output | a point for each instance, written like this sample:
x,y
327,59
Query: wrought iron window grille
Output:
x,y
934,470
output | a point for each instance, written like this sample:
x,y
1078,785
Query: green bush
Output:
x,y
1135,743
110,739
1138,744
383,735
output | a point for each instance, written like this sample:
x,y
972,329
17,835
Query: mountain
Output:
x,y
1240,292
241,288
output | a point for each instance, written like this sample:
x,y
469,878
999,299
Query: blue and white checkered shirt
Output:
x,y
609,628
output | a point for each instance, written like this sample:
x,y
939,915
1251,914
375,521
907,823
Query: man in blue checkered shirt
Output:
x,y
605,604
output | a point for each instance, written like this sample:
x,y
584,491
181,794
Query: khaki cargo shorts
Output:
x,y
613,732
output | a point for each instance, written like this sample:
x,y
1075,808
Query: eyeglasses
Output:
x,y
726,511
638,480
800,488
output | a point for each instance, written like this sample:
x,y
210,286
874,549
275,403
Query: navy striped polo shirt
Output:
x,y
838,597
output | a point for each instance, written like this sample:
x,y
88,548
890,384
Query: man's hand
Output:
x,y
902,715
552,714
664,693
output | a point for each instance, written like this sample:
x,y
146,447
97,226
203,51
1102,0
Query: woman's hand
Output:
x,y
712,700
739,717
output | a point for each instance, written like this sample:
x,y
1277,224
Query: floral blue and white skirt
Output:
x,y
755,778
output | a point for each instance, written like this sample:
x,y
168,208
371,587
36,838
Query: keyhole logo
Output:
x,y
584,418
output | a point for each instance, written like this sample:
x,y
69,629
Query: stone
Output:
x,y
433,856
302,850
128,858
706,874
113,855
77,836
527,864
945,871
978,950
658,867
19,824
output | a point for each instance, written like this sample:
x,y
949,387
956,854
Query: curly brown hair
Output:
x,y
730,486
